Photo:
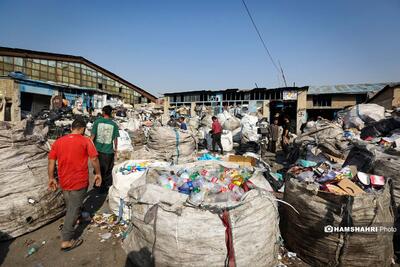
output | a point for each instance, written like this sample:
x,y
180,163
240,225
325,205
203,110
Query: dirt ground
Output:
x,y
92,252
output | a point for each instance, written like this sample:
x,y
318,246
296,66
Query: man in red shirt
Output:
x,y
216,132
72,152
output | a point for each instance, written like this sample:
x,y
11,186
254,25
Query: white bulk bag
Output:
x,y
124,141
226,141
168,232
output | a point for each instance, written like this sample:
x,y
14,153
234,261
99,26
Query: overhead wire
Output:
x,y
278,68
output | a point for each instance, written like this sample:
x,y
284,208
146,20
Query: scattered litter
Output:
x,y
34,248
109,222
106,236
208,156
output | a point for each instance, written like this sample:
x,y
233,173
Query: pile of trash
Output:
x,y
186,232
321,141
341,181
26,202
359,115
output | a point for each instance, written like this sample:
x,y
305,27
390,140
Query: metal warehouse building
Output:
x,y
28,79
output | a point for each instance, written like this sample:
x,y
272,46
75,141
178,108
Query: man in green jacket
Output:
x,y
105,135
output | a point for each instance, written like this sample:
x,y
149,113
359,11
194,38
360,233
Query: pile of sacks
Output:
x,y
235,130
169,229
26,204
168,144
230,126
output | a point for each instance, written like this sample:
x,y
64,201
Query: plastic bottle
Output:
x,y
186,188
236,192
194,175
197,198
163,181
34,248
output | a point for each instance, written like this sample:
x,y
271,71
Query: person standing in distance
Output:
x,y
105,135
274,135
216,132
72,152
182,124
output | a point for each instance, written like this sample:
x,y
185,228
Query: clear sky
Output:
x,y
174,45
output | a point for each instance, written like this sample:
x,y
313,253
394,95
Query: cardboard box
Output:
x,y
243,161
335,189
350,188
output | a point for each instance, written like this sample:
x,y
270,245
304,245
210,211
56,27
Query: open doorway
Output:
x,y
34,103
283,109
7,112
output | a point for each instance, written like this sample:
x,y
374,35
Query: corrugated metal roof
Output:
x,y
361,88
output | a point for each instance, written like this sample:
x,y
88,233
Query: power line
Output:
x,y
279,69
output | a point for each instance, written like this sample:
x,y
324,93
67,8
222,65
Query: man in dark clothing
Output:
x,y
216,132
72,152
274,135
105,135
285,135
182,123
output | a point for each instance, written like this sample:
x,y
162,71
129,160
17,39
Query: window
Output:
x,y
8,60
35,73
322,101
43,68
18,61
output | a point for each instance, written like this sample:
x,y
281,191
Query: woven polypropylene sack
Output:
x,y
167,232
304,232
25,202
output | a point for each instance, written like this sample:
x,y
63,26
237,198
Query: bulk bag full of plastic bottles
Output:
x,y
124,174
200,215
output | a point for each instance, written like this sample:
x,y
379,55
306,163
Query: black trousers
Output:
x,y
216,140
106,166
272,146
